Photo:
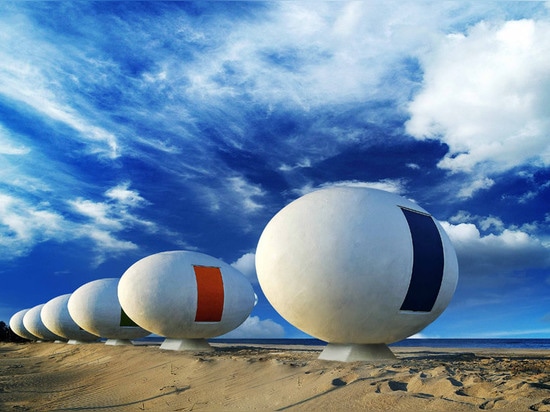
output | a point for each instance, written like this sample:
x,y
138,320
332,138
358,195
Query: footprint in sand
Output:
x,y
391,386
344,380
544,405
491,403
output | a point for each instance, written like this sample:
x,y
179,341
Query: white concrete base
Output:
x,y
118,342
199,345
344,352
59,341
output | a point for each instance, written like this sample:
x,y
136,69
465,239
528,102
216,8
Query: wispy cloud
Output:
x,y
390,185
26,79
512,333
23,225
470,187
9,144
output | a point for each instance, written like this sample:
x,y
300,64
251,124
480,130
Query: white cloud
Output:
x,y
421,335
30,73
108,218
486,94
115,213
312,54
396,186
506,252
235,197
253,327
34,92
303,163
469,188
510,333
106,244
124,196
8,146
246,193
491,221
23,225
98,212
246,264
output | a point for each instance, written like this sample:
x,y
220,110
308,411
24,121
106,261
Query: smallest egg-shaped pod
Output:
x,y
33,323
95,307
17,326
185,295
55,315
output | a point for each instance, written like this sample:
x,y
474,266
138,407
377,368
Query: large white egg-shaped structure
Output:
x,y
186,297
33,323
56,317
356,267
17,326
95,307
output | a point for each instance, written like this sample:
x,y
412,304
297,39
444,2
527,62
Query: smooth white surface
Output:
x,y
159,292
33,323
16,325
354,352
96,309
337,264
56,317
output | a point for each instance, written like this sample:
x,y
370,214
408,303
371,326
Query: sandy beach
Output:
x,y
61,377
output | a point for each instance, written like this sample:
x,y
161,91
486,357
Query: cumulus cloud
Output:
x,y
508,251
486,94
254,328
246,264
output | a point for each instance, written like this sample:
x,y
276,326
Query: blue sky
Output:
x,y
131,128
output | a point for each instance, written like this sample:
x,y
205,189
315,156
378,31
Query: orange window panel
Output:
x,y
210,294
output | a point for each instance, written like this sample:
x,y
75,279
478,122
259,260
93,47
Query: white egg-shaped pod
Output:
x,y
17,326
356,265
55,315
33,323
185,295
94,306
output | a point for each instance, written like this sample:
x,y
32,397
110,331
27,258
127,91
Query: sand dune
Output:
x,y
95,377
